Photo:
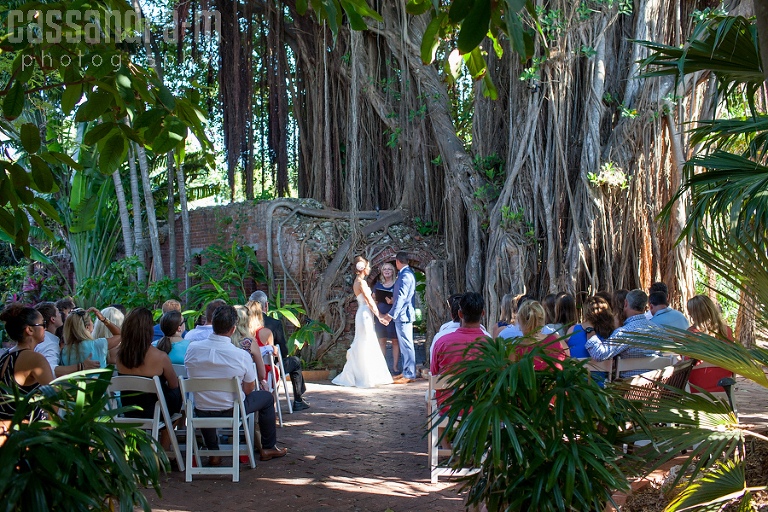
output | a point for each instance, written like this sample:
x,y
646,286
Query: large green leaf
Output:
x,y
98,102
460,9
475,26
715,488
41,174
113,153
13,104
30,137
431,40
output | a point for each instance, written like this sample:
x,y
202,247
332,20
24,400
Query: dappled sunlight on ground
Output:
x,y
354,449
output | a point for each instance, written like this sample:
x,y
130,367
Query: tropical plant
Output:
x,y
542,440
229,269
727,227
76,460
116,284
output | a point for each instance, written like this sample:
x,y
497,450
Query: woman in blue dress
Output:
x,y
79,344
597,316
386,332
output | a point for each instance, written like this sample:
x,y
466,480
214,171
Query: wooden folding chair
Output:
x,y
181,370
605,366
130,383
641,363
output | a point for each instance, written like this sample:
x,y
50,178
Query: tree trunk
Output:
x,y
125,220
171,220
138,229
149,203
761,16
184,224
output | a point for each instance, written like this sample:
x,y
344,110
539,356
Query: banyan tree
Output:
x,y
553,181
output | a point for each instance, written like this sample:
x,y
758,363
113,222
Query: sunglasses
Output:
x,y
36,325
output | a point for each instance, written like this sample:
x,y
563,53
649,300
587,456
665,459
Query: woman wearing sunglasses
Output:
x,y
22,367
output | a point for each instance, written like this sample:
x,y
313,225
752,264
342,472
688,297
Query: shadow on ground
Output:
x,y
354,449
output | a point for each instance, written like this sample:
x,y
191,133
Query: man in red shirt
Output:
x,y
449,349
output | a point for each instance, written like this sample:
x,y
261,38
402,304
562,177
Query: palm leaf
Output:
x,y
713,490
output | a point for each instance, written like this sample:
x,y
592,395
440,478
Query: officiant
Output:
x,y
382,293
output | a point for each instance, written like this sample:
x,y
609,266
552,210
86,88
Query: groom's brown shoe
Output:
x,y
398,376
273,453
403,380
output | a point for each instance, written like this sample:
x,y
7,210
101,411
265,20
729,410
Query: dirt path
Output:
x,y
354,449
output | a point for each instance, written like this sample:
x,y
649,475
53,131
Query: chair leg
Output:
x,y
175,445
276,397
236,450
285,386
248,430
191,442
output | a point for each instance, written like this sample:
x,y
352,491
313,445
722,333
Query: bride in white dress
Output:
x,y
365,366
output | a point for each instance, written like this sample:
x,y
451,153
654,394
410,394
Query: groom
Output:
x,y
403,314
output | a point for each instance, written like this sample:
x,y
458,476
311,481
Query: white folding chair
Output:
x,y
239,419
274,378
605,366
434,425
642,363
126,384
180,370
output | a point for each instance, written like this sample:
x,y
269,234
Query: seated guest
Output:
x,y
137,356
79,345
116,317
64,306
202,332
172,325
707,319
513,329
50,347
550,318
663,315
273,328
449,349
619,298
565,313
655,287
615,345
607,296
217,358
22,367
530,319
169,305
507,315
242,338
120,308
598,319
454,304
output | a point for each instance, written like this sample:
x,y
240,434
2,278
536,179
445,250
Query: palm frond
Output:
x,y
724,45
732,187
714,489
728,133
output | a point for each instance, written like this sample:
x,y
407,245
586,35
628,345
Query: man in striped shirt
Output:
x,y
635,324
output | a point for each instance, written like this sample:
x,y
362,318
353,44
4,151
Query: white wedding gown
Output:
x,y
365,366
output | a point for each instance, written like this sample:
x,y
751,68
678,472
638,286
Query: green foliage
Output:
x,y
306,335
491,168
116,285
333,12
425,227
229,269
11,280
543,440
101,84
76,460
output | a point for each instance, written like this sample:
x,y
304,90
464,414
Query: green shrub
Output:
x,y
76,460
543,440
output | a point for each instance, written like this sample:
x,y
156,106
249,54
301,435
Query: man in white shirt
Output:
x,y
216,358
201,332
50,347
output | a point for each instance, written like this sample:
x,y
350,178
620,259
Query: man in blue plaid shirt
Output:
x,y
636,323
